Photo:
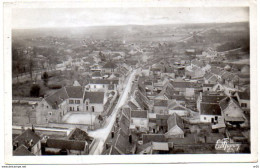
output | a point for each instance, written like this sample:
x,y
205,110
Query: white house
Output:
x,y
139,120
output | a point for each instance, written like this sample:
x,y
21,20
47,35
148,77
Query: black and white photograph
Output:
x,y
162,81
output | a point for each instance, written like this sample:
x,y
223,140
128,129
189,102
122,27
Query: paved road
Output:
x,y
101,134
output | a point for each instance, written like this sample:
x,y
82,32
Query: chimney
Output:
x,y
130,139
112,134
33,130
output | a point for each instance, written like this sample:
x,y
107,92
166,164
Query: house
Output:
x,y
210,97
109,67
186,89
232,112
94,102
207,87
175,127
210,78
96,75
75,98
178,109
69,99
52,108
153,148
153,138
27,143
102,84
160,106
139,120
210,112
243,99
79,135
161,123
66,147
22,151
140,100
121,139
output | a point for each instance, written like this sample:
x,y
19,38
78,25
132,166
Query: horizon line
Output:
x,y
110,25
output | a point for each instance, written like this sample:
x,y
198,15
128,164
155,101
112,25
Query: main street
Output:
x,y
102,134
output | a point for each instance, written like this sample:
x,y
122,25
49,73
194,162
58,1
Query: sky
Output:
x,y
80,17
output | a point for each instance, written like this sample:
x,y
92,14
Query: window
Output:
x,y
208,89
103,86
93,109
77,101
243,105
86,108
50,113
94,86
70,108
205,118
71,101
47,106
77,108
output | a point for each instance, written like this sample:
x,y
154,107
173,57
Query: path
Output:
x,y
101,134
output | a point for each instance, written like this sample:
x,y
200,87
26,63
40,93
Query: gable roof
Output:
x,y
22,151
57,98
74,91
95,97
26,137
174,120
66,144
142,100
153,138
139,114
185,84
79,135
224,103
214,98
210,109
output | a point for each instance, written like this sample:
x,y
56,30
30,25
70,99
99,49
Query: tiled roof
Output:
x,y
75,91
26,137
174,120
142,100
124,124
121,143
161,119
244,95
153,138
139,114
208,85
185,84
126,112
57,98
96,74
210,109
79,135
225,102
110,65
163,103
66,144
104,81
132,105
212,98
95,97
22,151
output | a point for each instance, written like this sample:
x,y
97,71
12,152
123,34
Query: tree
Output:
x,y
35,91
45,78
